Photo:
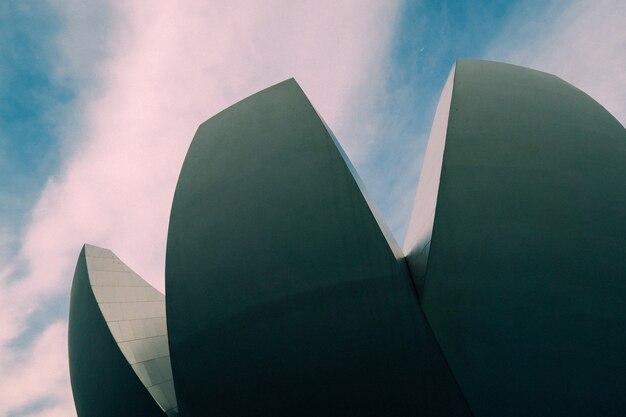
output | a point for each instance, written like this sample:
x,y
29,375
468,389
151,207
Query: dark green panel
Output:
x,y
283,295
103,382
526,282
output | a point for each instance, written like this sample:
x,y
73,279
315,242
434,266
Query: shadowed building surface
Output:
x,y
525,286
287,296
119,356
300,306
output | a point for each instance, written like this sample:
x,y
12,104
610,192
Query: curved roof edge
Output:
x,y
134,313
420,230
281,263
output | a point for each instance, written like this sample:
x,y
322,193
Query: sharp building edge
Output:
x,y
117,318
286,295
299,303
524,284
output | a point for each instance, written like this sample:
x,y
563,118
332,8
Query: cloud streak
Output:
x,y
146,76
162,72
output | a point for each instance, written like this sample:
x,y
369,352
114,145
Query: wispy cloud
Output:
x,y
145,75
163,71
35,380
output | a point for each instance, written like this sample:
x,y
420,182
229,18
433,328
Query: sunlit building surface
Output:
x,y
286,295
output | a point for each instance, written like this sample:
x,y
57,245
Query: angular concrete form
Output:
x,y
119,355
287,296
525,285
300,306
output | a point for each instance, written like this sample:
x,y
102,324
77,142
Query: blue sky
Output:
x,y
29,95
99,101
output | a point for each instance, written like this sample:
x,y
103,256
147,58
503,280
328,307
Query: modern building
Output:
x,y
287,295
118,344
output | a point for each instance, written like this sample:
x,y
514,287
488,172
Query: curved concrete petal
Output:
x,y
284,296
112,311
525,287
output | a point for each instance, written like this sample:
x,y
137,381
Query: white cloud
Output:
x,y
39,373
584,43
168,67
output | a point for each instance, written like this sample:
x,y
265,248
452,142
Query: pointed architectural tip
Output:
x,y
83,251
97,251
90,246
291,81
288,81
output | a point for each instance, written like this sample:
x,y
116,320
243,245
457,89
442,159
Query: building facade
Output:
x,y
287,295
